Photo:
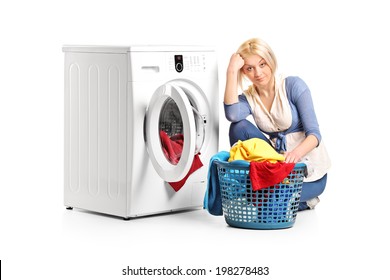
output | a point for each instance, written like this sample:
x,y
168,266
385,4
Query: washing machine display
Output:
x,y
136,118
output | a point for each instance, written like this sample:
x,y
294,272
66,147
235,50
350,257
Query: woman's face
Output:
x,y
257,71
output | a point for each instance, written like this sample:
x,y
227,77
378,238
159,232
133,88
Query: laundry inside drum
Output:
x,y
171,131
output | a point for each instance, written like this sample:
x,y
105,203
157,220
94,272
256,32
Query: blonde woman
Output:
x,y
282,109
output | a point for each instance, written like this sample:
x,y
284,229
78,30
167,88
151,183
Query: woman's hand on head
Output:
x,y
236,63
232,74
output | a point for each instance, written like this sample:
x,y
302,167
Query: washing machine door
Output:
x,y
170,132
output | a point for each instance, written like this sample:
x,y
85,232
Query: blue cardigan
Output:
x,y
302,109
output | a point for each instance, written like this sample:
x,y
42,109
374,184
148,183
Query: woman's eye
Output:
x,y
249,69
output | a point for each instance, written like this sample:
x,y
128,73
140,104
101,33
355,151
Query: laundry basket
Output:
x,y
274,207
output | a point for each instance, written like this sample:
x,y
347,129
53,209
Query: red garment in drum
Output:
x,y
172,148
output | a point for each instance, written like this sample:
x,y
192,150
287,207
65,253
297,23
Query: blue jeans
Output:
x,y
311,190
244,130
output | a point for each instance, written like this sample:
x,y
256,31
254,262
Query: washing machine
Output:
x,y
141,124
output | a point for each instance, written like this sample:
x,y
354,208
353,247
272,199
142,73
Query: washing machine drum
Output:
x,y
175,128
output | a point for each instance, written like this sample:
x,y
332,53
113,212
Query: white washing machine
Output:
x,y
136,119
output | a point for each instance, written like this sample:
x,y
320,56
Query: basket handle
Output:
x,y
244,163
237,163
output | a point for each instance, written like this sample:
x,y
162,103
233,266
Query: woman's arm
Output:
x,y
231,89
302,149
238,111
236,107
301,97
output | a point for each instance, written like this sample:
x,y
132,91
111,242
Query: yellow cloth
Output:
x,y
254,149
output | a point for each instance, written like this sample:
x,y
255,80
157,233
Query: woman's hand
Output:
x,y
301,150
236,63
291,157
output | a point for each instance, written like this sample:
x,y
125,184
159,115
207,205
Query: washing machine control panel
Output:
x,y
187,62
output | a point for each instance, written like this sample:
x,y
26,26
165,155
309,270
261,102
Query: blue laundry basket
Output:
x,y
275,207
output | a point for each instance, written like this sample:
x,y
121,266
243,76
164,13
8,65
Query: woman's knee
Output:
x,y
244,130
313,189
238,131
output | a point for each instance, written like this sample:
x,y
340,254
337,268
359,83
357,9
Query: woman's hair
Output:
x,y
259,47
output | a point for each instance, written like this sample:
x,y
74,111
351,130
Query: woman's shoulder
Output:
x,y
295,81
295,85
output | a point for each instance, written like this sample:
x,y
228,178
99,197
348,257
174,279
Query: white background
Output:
x,y
340,48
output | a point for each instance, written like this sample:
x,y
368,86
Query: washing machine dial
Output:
x,y
179,63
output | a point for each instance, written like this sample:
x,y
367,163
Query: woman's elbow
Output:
x,y
232,118
316,136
